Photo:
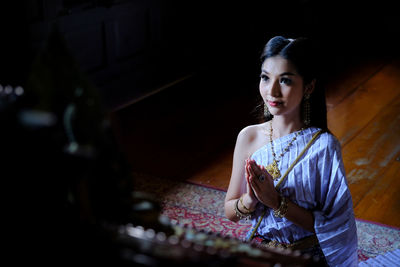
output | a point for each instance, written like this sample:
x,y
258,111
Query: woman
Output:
x,y
288,175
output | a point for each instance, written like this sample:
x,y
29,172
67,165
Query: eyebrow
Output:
x,y
282,74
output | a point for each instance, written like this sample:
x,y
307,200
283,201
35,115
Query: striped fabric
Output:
x,y
317,183
389,259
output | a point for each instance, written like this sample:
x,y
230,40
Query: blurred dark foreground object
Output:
x,y
67,191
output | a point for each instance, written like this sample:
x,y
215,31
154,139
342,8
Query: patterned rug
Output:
x,y
202,208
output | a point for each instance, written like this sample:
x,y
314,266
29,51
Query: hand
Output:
x,y
249,198
264,190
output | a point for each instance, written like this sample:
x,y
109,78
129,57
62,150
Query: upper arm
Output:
x,y
333,190
237,184
334,223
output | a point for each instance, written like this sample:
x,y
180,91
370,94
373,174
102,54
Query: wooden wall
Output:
x,y
133,48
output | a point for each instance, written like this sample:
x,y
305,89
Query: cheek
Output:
x,y
262,89
295,97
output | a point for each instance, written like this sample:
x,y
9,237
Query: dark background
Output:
x,y
132,48
180,79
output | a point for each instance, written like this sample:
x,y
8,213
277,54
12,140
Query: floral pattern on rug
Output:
x,y
203,209
206,222
375,239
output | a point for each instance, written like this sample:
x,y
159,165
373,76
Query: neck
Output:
x,y
283,125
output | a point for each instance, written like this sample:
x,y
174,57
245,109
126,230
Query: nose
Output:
x,y
273,89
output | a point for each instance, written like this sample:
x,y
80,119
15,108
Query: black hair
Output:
x,y
304,54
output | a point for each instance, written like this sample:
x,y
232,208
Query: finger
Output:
x,y
250,176
251,171
253,164
248,170
250,189
254,183
248,166
247,178
255,188
260,170
255,168
256,176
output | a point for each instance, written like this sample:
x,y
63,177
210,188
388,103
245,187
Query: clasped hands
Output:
x,y
260,187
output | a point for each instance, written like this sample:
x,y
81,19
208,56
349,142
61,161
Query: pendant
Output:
x,y
273,170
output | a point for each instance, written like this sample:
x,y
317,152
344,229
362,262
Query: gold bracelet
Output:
x,y
240,214
241,202
283,207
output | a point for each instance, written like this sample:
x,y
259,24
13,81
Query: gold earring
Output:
x,y
266,111
306,110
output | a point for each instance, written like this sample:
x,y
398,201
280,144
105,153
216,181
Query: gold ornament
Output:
x,y
266,111
307,110
273,168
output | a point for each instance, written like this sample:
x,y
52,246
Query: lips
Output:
x,y
274,103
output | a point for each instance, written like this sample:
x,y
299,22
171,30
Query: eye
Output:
x,y
286,81
264,77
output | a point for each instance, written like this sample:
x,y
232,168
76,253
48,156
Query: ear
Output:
x,y
309,88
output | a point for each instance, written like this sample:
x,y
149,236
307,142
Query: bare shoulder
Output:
x,y
249,133
251,138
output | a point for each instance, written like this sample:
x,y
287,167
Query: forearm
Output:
x,y
230,210
300,216
245,206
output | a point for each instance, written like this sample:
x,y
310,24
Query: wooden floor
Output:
x,y
364,113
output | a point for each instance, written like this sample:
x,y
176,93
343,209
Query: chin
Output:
x,y
277,112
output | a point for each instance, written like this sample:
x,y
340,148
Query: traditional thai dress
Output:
x,y
317,183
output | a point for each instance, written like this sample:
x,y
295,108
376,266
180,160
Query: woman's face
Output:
x,y
281,87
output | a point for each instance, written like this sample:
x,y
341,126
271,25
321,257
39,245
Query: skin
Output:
x,y
282,89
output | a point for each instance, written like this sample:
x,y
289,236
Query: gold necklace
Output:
x,y
273,168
